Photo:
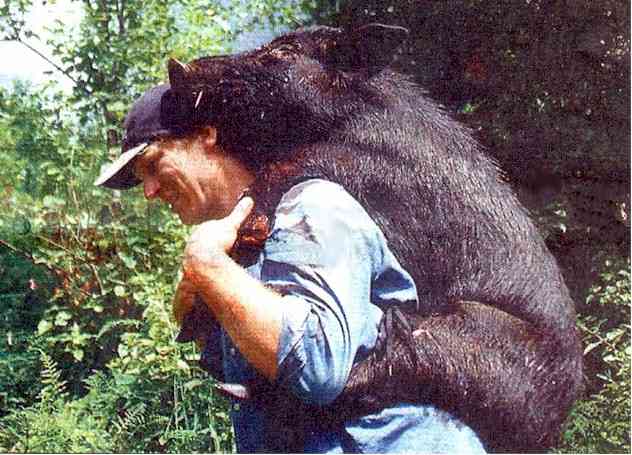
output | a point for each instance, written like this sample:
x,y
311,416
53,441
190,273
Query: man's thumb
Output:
x,y
241,211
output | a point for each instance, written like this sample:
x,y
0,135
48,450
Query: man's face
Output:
x,y
191,175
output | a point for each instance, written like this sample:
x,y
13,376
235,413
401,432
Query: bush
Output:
x,y
23,300
52,425
87,279
600,423
173,412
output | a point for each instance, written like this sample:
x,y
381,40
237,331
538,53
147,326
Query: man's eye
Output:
x,y
138,172
151,168
143,169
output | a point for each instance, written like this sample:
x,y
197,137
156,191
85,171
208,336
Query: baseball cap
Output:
x,y
143,124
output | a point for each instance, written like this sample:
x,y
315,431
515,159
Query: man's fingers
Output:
x,y
211,240
240,212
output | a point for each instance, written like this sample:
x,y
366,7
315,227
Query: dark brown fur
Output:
x,y
493,340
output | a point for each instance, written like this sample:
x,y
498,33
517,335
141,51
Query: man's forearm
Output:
x,y
250,313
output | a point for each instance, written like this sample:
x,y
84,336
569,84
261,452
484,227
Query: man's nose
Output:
x,y
151,187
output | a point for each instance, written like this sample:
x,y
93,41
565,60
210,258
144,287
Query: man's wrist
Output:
x,y
202,271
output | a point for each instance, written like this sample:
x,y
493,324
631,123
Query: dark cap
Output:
x,y
142,126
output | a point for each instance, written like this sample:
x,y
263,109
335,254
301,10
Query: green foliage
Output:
x,y
88,361
171,412
103,306
600,423
23,295
18,368
52,425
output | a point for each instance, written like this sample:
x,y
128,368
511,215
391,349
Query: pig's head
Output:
x,y
300,88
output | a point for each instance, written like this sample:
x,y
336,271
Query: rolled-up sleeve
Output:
x,y
322,262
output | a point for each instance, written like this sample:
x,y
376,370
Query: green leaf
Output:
x,y
591,346
62,318
44,326
119,291
614,334
193,384
78,354
129,261
124,379
118,106
122,350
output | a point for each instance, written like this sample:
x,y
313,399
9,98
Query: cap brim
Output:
x,y
119,175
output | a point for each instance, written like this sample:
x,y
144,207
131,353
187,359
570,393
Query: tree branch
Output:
x,y
52,63
120,14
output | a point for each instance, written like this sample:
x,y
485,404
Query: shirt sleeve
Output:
x,y
321,257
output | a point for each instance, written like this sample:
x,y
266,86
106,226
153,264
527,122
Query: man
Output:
x,y
306,311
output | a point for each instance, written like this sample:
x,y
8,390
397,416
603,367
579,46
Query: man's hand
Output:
x,y
207,246
210,242
249,312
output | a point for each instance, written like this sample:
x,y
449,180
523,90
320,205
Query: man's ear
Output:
x,y
209,137
369,48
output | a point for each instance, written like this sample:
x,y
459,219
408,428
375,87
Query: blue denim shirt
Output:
x,y
332,264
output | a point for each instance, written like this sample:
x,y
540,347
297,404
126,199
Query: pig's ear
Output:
x,y
176,111
373,46
178,73
176,107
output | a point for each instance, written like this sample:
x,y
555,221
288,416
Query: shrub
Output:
x,y
600,423
52,425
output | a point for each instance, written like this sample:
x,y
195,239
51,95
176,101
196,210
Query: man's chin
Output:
x,y
184,219
188,219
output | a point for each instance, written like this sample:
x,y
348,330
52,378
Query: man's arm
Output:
x,y
311,303
250,313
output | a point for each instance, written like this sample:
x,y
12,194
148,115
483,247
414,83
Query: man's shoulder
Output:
x,y
320,199
322,220
316,190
